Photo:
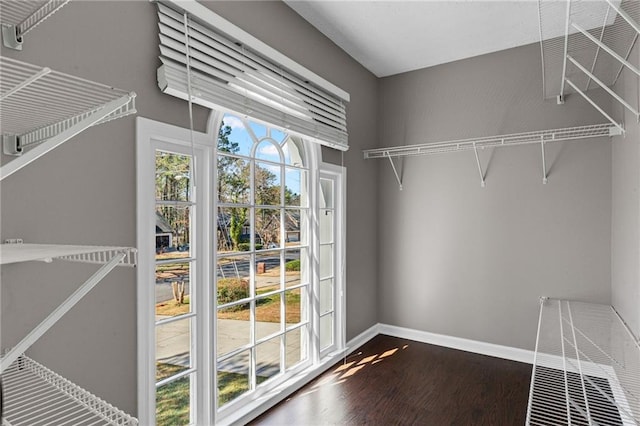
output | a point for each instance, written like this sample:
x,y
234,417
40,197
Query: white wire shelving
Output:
x,y
33,394
586,369
587,44
540,137
20,17
42,108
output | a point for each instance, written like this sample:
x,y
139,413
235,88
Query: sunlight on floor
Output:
x,y
348,369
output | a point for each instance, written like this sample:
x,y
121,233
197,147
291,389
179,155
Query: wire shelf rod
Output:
x,y
575,343
566,45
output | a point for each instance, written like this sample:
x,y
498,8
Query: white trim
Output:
x,y
280,393
475,346
150,135
201,12
362,338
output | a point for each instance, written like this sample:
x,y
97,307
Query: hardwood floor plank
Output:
x,y
392,381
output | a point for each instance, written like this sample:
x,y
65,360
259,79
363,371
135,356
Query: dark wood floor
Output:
x,y
391,381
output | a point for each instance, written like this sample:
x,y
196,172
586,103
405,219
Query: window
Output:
x,y
240,270
262,254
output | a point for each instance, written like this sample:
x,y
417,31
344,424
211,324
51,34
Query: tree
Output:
x,y
173,184
233,187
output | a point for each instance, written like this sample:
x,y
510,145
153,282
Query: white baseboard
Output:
x,y
362,338
483,348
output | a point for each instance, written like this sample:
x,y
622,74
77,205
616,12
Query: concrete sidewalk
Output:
x,y
173,345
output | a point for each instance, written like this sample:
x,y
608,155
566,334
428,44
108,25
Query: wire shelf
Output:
x,y
587,44
34,395
14,253
556,135
586,369
43,107
20,17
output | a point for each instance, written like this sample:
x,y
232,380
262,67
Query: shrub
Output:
x,y
232,289
247,246
292,265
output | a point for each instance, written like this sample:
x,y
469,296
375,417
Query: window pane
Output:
x,y
234,230
293,222
326,193
295,300
233,278
259,130
172,176
295,347
268,359
233,377
172,232
233,180
173,402
233,136
295,193
267,315
268,149
267,184
293,152
172,289
267,271
326,226
296,268
267,227
173,348
326,331
233,329
326,260
326,296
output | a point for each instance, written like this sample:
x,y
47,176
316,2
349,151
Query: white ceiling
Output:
x,y
391,37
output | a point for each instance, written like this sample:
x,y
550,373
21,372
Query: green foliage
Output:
x,y
232,289
292,265
238,218
247,247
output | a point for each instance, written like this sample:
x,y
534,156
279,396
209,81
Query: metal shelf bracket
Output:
x,y
395,172
544,163
475,150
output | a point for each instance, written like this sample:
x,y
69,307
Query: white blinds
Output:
x,y
229,75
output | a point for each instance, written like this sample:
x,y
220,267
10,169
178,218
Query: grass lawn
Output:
x,y
172,400
268,308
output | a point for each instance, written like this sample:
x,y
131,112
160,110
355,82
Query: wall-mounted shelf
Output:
x,y
586,369
53,399
30,390
20,17
541,137
587,45
42,109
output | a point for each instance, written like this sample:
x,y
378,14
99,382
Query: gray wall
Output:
x,y
84,191
471,262
625,230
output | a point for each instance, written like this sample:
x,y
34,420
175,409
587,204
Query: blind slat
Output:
x,y
226,75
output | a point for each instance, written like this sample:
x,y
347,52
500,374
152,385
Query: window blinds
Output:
x,y
230,75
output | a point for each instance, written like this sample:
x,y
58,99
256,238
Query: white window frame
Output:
x,y
152,135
